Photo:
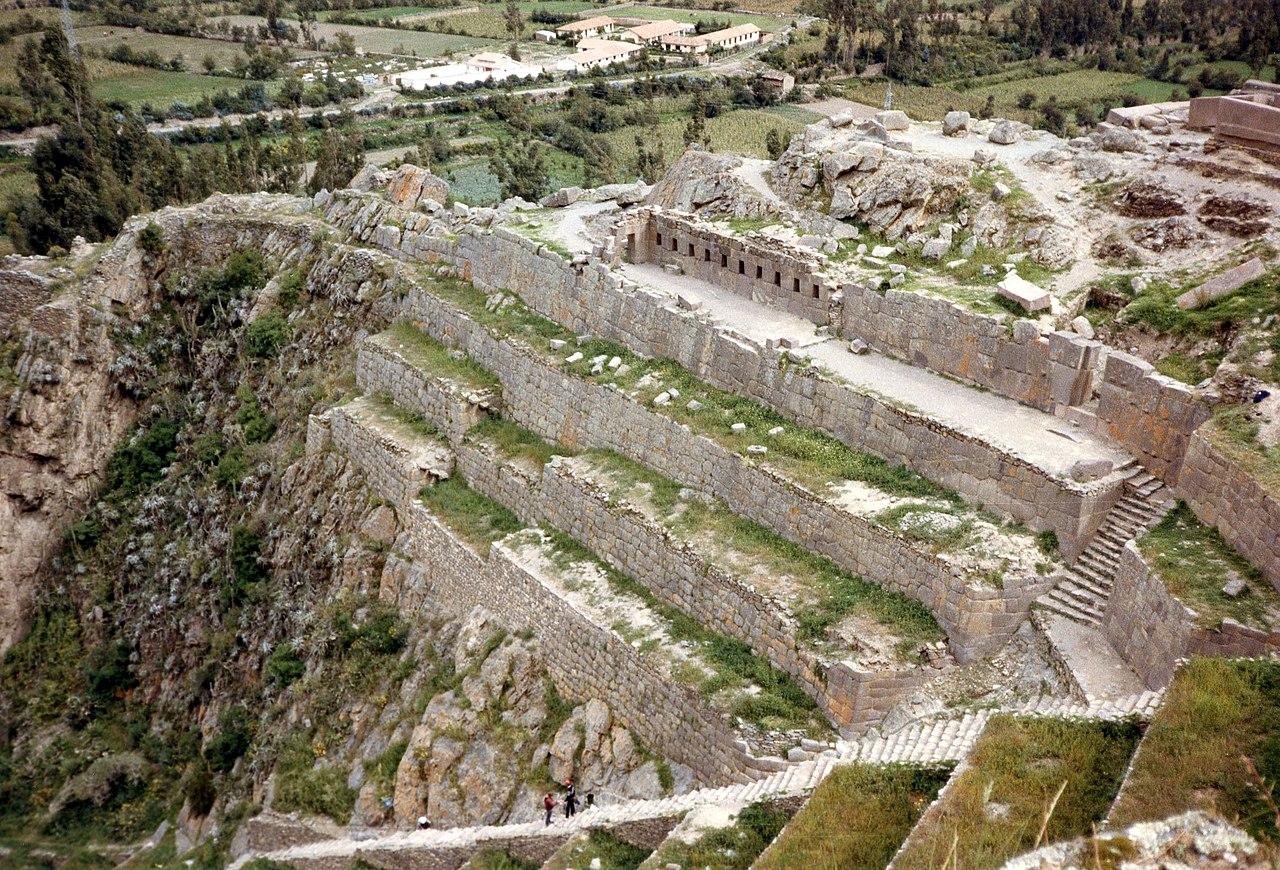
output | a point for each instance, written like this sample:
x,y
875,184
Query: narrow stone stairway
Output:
x,y
1082,593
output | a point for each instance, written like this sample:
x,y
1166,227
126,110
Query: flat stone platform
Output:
x,y
1038,438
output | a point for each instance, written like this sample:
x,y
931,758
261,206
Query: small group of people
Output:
x,y
549,802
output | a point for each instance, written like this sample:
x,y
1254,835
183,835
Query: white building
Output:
x,y
732,37
593,53
487,66
654,31
587,27
683,44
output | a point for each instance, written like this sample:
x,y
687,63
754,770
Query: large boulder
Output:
x,y
1003,133
955,123
894,119
412,184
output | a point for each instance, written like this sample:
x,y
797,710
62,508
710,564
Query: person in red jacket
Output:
x,y
548,804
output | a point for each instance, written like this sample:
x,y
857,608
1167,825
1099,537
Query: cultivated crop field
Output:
x,y
117,82
103,38
737,132
1091,86
383,40
766,23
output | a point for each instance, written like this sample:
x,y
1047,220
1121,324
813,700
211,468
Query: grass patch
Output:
x,y
433,357
302,787
995,809
731,848
476,519
1194,563
837,593
600,846
1236,437
1157,307
516,442
408,423
857,818
1187,368
1212,746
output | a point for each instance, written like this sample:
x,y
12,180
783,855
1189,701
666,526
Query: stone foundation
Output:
x,y
1224,496
561,408
1153,630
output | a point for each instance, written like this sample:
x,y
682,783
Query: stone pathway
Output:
x,y
928,742
1097,670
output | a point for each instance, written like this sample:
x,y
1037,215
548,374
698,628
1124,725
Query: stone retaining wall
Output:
x,y
591,299
1153,630
564,409
434,569
850,694
1044,371
1149,414
381,368
21,293
1224,496
395,471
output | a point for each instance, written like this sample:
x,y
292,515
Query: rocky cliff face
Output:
x,y
192,613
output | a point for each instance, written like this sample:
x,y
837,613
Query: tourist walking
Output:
x,y
570,799
548,804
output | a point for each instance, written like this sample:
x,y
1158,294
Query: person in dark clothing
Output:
x,y
570,799
548,804
591,800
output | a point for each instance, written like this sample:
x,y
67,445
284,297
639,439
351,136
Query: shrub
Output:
x,y
247,569
151,239
232,740
141,461
256,424
231,469
320,791
106,670
198,788
285,666
382,631
266,335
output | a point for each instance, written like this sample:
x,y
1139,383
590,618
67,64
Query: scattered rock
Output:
x,y
1235,587
955,123
1082,327
565,196
1236,216
1000,191
1003,133
1146,199
1221,285
858,346
893,119
1018,289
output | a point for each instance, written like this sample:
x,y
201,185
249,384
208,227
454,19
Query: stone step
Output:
x,y
1067,608
1089,582
1077,595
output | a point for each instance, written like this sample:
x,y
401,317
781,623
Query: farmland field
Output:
x,y
385,13
1095,87
737,132
138,85
657,13
382,40
103,38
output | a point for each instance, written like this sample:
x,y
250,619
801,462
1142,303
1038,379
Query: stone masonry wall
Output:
x,y
380,368
1148,627
757,270
21,293
591,299
850,694
1043,371
395,471
1152,629
1148,413
1224,496
435,567
564,409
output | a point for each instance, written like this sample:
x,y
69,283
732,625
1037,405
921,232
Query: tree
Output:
x,y
521,168
513,20
649,162
695,132
774,144
340,157
344,43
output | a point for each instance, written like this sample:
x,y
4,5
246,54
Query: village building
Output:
x,y
587,28
486,66
653,32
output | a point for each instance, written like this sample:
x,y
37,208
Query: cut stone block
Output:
x,y
1018,289
894,119
1222,285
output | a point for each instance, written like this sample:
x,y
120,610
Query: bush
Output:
x,y
382,632
151,239
232,469
199,790
247,569
254,422
141,461
285,666
266,335
106,670
319,791
226,747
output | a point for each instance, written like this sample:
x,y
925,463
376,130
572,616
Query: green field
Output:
x,y
382,40
102,38
115,82
767,23
738,132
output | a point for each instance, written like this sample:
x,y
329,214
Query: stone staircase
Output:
x,y
1082,593
933,741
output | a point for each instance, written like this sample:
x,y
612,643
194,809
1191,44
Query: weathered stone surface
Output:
x,y
1018,289
412,184
894,119
1222,284
1003,133
955,123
